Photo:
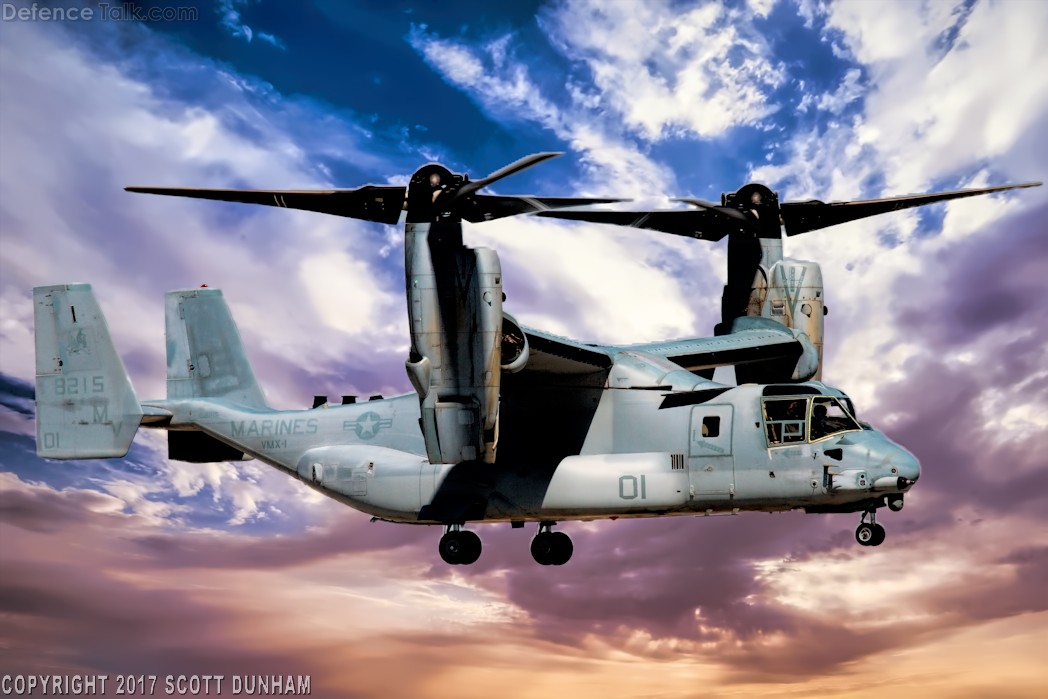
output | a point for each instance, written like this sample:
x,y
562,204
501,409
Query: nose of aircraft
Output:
x,y
907,464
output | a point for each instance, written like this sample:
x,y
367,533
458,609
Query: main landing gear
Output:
x,y
869,533
551,548
459,546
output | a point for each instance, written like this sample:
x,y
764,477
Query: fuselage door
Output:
x,y
710,460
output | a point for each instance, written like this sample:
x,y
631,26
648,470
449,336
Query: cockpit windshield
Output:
x,y
802,419
828,417
850,406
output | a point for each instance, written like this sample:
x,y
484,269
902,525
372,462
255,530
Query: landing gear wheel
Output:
x,y
562,548
460,547
551,548
870,534
542,548
472,547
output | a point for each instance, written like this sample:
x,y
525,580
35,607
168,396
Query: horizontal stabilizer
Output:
x,y
199,448
85,405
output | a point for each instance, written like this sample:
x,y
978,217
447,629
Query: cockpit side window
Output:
x,y
785,419
828,417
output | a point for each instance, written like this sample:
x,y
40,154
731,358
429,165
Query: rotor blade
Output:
x,y
803,216
699,203
487,207
703,224
514,167
742,219
379,203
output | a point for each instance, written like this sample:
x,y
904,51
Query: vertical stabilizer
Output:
x,y
205,355
85,405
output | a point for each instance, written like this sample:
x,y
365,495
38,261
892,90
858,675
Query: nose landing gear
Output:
x,y
459,546
869,533
549,547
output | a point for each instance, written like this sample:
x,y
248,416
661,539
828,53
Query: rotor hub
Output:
x,y
760,205
431,193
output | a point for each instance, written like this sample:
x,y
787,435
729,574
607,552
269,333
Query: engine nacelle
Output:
x,y
455,320
794,297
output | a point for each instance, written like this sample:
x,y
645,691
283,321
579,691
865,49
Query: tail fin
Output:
x,y
85,405
205,355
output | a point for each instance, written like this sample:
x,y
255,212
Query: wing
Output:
x,y
759,344
752,340
556,357
803,216
378,203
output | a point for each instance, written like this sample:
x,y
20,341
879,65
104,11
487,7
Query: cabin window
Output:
x,y
785,419
711,426
828,417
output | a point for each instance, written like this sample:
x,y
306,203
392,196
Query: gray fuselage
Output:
x,y
607,452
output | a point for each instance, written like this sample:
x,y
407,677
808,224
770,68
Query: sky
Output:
x,y
938,329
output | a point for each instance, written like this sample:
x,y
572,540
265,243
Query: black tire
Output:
x,y
864,534
562,548
471,549
452,547
878,535
542,548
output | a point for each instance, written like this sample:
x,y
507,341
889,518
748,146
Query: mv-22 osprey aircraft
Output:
x,y
507,423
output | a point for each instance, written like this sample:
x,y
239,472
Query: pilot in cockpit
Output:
x,y
435,185
819,424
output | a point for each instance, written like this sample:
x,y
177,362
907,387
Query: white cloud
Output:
x,y
847,92
851,587
761,8
938,113
614,167
346,293
668,72
232,21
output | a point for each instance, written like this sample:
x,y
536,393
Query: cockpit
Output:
x,y
806,418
